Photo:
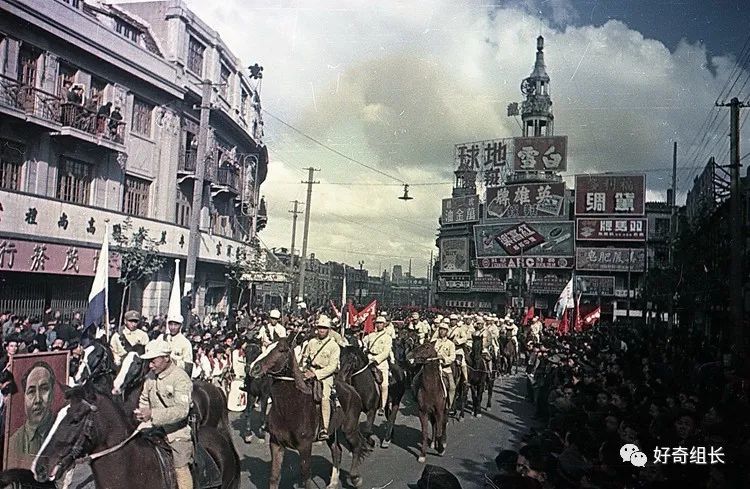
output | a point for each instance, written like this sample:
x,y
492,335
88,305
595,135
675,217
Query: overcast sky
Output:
x,y
395,84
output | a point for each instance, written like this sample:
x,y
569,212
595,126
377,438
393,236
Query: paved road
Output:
x,y
472,447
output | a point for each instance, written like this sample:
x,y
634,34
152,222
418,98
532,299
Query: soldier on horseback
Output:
x,y
320,360
130,338
165,403
272,330
182,350
379,346
458,334
446,352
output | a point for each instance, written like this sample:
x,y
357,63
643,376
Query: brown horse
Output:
x,y
93,423
294,418
431,397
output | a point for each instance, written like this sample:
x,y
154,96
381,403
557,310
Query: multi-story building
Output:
x,y
99,117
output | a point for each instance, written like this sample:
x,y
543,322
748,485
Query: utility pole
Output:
x,y
672,237
429,282
310,182
294,212
198,186
737,249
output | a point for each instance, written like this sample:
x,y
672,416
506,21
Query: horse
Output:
x,y
17,478
403,344
509,354
294,417
92,426
462,387
257,390
355,371
97,367
431,397
209,401
478,374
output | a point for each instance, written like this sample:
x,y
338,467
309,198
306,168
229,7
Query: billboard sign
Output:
x,y
482,155
610,194
454,284
610,259
549,283
487,284
611,229
595,285
519,238
460,209
558,239
540,154
536,200
551,262
454,255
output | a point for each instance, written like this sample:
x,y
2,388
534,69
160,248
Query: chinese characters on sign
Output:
x,y
610,194
611,229
487,284
558,239
27,256
611,259
519,238
482,155
594,285
526,262
540,154
549,284
454,255
460,209
454,284
536,200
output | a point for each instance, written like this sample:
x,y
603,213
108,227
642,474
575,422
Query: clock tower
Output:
x,y
536,110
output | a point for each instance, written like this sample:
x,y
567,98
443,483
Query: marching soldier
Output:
x,y
422,327
272,330
182,350
165,402
446,352
536,329
320,359
378,346
130,338
457,334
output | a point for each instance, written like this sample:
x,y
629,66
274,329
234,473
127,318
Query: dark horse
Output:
x,y
431,397
479,374
294,418
508,356
258,390
355,371
92,423
96,368
209,401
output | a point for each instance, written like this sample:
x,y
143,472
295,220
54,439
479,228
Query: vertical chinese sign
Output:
x,y
610,195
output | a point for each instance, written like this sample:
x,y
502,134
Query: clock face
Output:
x,y
528,87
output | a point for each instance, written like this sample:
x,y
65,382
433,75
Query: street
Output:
x,y
472,446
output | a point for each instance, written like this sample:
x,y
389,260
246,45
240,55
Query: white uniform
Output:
x,y
182,350
270,333
378,346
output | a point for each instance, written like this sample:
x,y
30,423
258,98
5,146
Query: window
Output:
x,y
65,74
224,87
182,216
135,202
243,104
28,57
195,56
98,86
141,117
127,30
73,181
11,164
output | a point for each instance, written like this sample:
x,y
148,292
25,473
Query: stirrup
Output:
x,y
323,435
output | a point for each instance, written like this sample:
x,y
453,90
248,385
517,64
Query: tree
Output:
x,y
139,256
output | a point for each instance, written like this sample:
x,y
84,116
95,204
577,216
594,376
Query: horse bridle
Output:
x,y
73,457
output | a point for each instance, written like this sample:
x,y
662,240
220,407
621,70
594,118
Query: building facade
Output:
x,y
98,124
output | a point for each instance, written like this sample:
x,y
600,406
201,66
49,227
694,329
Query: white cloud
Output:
x,y
396,84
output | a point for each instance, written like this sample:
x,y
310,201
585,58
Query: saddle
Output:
x,y
206,473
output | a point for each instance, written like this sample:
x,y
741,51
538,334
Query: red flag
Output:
x,y
578,326
529,316
591,318
367,317
352,315
564,327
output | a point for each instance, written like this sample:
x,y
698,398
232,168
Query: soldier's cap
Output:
x,y
415,315
479,321
380,319
177,318
434,477
453,317
274,314
443,325
445,321
132,316
323,322
439,317
536,318
156,348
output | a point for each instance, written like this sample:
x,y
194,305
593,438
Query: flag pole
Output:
x,y
106,288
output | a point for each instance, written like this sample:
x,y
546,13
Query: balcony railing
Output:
x,y
228,177
31,100
187,161
83,119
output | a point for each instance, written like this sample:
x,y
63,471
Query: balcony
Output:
x,y
29,103
187,161
104,129
228,177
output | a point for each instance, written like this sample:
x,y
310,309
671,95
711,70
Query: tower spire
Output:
x,y
536,110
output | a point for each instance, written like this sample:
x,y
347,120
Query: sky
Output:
x,y
395,85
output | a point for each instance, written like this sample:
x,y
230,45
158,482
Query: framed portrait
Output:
x,y
31,411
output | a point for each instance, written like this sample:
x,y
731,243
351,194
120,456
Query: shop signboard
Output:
x,y
540,154
611,229
595,285
17,255
610,259
454,255
487,284
519,238
550,262
558,239
460,209
548,283
454,284
610,195
526,200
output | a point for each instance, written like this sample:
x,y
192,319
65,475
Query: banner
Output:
x,y
611,229
565,300
558,239
595,285
364,318
454,255
526,200
610,194
527,262
460,209
611,259
540,154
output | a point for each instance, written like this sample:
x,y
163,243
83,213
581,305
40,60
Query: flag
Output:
x,y
335,309
591,318
563,327
174,313
97,310
367,316
578,326
351,315
565,300
529,315
343,305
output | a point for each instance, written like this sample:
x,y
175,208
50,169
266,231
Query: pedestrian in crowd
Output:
x,y
115,120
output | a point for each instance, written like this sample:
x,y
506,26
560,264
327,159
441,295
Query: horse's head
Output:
x,y
422,353
96,362
133,370
252,351
276,360
352,358
72,435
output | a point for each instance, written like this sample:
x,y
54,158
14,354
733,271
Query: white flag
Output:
x,y
565,300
